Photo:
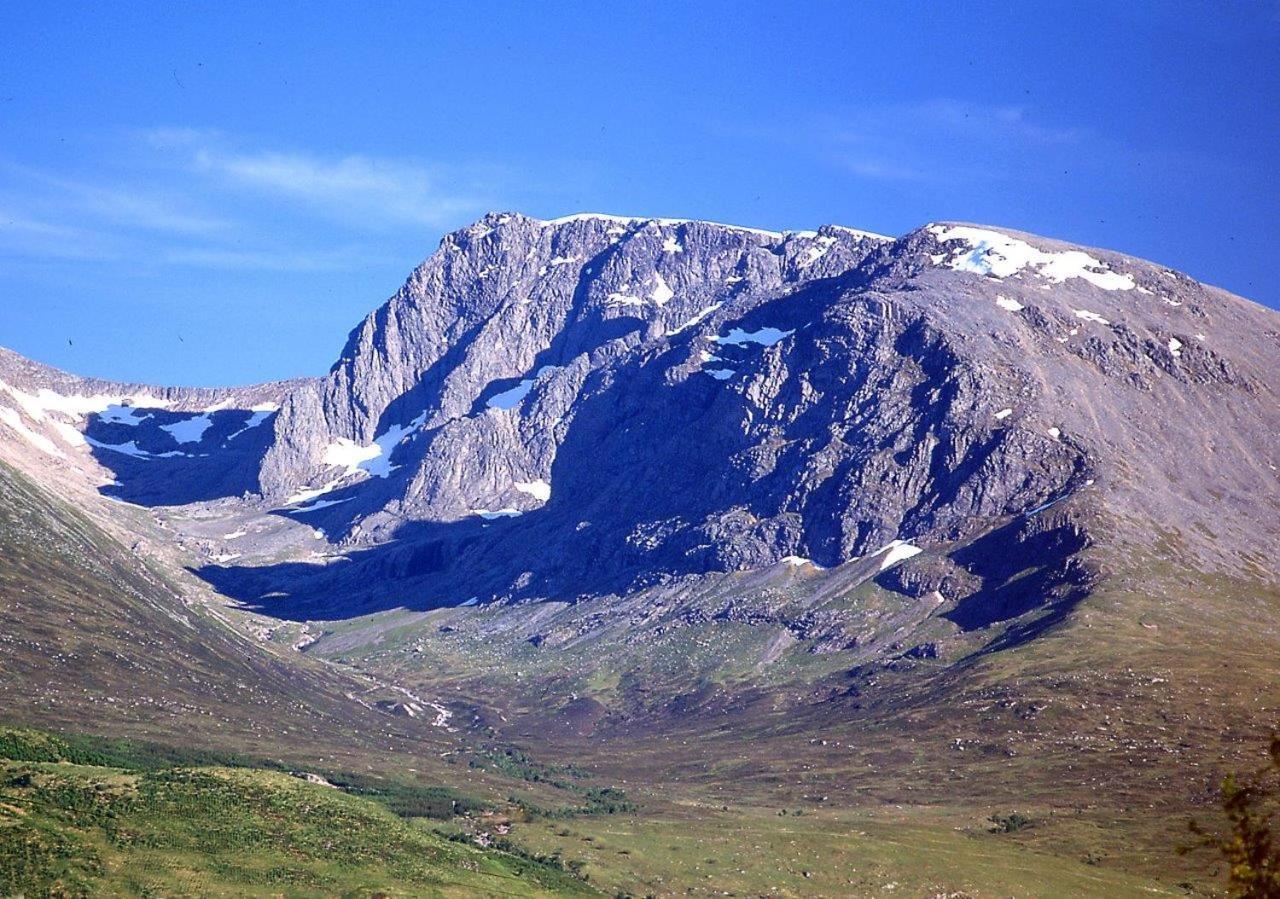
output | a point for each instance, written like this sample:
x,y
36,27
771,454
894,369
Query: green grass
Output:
x,y
749,851
77,830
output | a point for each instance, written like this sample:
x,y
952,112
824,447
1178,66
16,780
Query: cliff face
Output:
x,y
576,407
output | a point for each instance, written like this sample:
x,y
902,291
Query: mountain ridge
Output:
x,y
454,400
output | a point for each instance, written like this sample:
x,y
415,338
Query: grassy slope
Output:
x,y
1109,730
93,640
75,830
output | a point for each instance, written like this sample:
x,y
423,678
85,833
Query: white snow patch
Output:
x,y
38,405
348,454
475,600
1009,303
68,433
189,431
708,357
661,291
1055,433
260,414
999,255
799,562
1003,414
124,415
814,253
697,318
897,551
539,490
1090,316
1175,346
764,337
234,534
509,399
500,513
321,504
131,449
671,245
375,458
858,232
39,441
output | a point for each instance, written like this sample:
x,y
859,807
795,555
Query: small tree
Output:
x,y
1249,848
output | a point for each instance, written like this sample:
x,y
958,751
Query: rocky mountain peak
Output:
x,y
657,397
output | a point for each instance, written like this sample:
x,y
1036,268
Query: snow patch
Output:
x,y
697,318
39,441
897,551
799,562
321,504
1090,316
1008,303
1175,347
539,490
189,431
488,515
1003,414
671,245
38,405
764,337
1000,256
509,399
131,448
662,292
375,458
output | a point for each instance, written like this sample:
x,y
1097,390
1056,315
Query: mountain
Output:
x,y
607,486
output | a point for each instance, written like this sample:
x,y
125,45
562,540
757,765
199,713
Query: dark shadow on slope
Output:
x,y
643,489
1024,567
162,458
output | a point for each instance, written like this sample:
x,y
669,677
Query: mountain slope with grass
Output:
x,y
971,524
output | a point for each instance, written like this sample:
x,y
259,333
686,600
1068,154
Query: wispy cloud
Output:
x,y
934,141
360,190
942,139
267,260
198,198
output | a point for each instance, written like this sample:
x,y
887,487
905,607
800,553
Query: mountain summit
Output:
x,y
967,519
578,407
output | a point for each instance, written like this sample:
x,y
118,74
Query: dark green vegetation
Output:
x,y
1249,845
73,829
652,760
1106,732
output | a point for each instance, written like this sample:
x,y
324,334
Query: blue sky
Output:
x,y
194,195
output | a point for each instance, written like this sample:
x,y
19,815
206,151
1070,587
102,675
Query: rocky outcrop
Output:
x,y
568,408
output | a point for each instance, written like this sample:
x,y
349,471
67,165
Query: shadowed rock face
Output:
x,y
572,408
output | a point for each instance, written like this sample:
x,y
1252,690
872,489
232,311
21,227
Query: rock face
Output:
x,y
578,407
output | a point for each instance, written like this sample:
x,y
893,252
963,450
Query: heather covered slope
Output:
x,y
97,638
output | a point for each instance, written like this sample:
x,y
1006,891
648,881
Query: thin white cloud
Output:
x,y
364,191
127,206
266,260
937,140
197,198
